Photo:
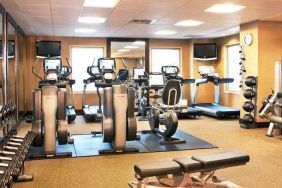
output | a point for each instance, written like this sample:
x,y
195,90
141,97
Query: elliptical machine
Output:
x,y
164,114
64,74
140,79
49,123
119,124
91,112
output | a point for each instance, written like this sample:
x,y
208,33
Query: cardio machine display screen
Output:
x,y
170,70
107,64
138,72
52,64
156,80
94,70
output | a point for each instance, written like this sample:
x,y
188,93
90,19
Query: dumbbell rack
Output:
x,y
249,119
13,151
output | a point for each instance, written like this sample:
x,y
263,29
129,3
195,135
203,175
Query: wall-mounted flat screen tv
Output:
x,y
205,52
11,48
48,49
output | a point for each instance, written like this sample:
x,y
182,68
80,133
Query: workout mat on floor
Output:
x,y
89,145
152,142
37,152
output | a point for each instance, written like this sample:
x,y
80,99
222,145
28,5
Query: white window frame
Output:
x,y
167,48
226,88
85,46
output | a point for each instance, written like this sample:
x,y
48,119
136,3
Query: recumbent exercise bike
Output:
x,y
164,114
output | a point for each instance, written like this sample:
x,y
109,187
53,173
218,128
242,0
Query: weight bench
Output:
x,y
176,173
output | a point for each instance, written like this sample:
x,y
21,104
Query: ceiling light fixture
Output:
x,y
139,42
101,3
123,50
165,32
131,47
189,23
94,20
225,8
85,30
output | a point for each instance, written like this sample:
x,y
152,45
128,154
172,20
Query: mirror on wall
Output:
x,y
1,60
21,73
131,53
11,63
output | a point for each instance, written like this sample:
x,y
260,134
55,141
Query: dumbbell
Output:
x,y
249,94
248,106
247,119
251,81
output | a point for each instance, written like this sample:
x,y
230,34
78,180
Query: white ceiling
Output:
x,y
59,17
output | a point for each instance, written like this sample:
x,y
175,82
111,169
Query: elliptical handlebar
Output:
x,y
33,72
69,67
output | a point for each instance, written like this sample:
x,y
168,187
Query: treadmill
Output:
x,y
92,113
208,74
171,72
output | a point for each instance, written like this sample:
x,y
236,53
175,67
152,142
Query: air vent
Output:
x,y
135,21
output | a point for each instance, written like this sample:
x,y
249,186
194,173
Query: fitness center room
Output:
x,y
140,93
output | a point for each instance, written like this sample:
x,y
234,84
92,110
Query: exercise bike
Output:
x,y
272,105
49,122
164,114
119,123
183,110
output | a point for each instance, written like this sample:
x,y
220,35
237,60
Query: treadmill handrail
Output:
x,y
225,80
201,81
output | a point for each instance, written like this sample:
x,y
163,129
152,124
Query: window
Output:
x,y
161,57
82,57
233,68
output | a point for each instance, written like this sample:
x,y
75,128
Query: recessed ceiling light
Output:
x,y
117,53
225,8
123,50
85,30
139,42
88,19
165,32
131,47
101,3
189,23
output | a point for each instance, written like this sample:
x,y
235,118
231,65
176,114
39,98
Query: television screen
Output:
x,y
11,48
205,51
48,49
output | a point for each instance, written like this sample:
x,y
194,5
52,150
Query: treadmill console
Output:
x,y
156,80
106,65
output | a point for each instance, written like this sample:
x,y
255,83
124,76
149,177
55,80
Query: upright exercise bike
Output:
x,y
164,114
119,123
49,123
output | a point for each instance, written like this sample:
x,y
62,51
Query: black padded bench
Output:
x,y
199,163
